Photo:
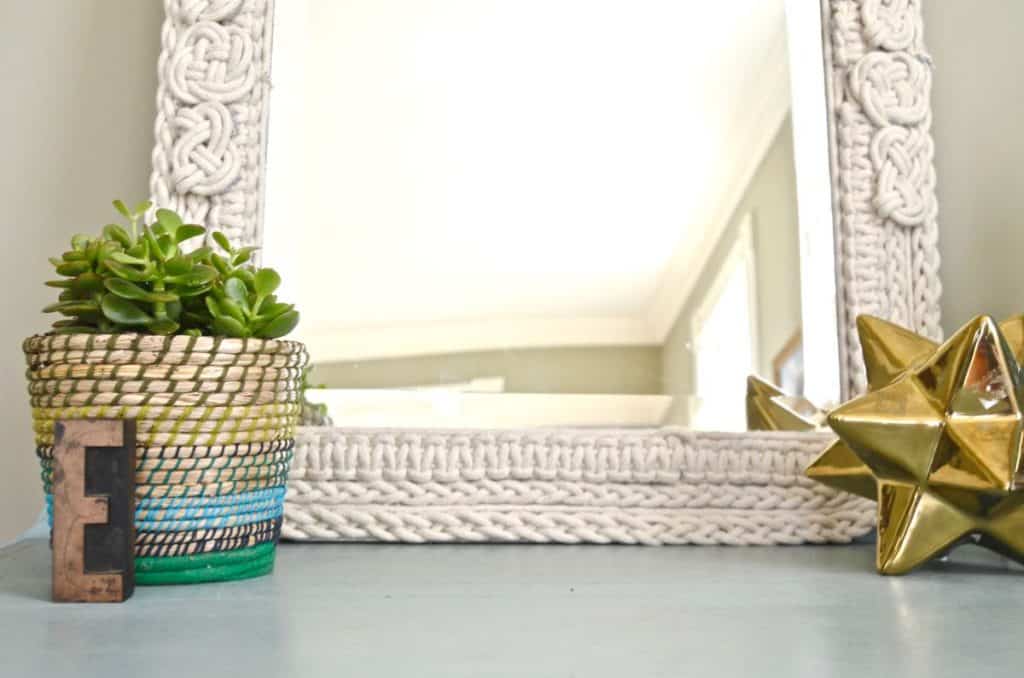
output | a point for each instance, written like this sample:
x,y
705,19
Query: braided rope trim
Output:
x,y
208,159
310,496
667,486
196,453
658,456
878,77
542,524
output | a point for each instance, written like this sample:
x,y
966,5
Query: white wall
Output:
x,y
978,106
79,83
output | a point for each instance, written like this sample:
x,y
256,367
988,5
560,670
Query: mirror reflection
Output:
x,y
508,213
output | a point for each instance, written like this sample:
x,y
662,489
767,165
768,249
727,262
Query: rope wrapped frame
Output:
x,y
212,105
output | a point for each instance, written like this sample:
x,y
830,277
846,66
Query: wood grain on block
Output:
x,y
93,510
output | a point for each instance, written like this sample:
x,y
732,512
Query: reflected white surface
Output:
x,y
548,195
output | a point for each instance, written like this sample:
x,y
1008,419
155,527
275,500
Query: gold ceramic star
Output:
x,y
937,441
771,409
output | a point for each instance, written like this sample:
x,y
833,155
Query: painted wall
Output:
x,y
771,200
605,369
77,117
977,104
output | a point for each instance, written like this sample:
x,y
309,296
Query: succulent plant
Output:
x,y
143,278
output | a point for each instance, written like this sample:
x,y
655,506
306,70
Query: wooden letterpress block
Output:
x,y
93,510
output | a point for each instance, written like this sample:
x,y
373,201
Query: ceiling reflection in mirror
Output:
x,y
505,213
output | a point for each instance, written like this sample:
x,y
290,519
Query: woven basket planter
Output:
x,y
216,422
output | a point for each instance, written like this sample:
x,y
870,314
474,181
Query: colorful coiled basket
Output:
x,y
215,420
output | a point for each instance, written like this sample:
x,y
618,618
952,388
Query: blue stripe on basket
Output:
x,y
193,513
228,520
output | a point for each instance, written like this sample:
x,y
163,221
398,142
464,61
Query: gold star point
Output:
x,y
937,441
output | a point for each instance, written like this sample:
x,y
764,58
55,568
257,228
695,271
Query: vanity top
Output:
x,y
523,610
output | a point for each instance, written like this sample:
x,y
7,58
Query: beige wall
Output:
x,y
770,199
605,369
978,106
77,116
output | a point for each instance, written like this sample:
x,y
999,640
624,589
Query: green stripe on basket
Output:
x,y
233,565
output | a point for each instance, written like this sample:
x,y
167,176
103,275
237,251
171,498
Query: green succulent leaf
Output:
x,y
125,258
195,291
236,290
219,263
213,307
71,268
124,311
71,307
233,309
266,281
199,275
242,255
222,241
188,231
125,271
117,233
179,265
139,277
227,326
169,220
154,246
280,326
163,326
271,311
87,283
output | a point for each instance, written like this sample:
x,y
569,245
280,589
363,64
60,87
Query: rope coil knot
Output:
x,y
905,181
194,11
891,24
212,63
892,88
205,159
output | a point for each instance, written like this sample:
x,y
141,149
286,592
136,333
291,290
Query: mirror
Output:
x,y
547,213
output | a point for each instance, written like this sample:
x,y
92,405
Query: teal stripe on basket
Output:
x,y
193,513
228,520
225,500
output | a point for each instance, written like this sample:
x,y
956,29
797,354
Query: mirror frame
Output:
x,y
874,75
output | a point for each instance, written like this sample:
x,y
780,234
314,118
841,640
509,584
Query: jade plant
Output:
x,y
160,278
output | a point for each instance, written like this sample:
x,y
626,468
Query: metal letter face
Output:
x,y
93,510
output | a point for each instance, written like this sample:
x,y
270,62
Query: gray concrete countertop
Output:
x,y
394,610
